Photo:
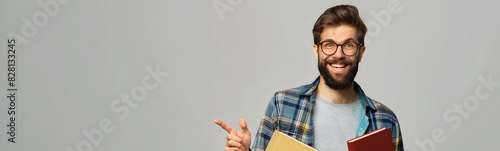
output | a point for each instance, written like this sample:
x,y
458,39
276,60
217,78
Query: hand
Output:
x,y
235,140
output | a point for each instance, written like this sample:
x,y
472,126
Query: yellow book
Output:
x,y
282,142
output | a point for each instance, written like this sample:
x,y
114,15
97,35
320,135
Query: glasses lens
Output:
x,y
350,48
329,48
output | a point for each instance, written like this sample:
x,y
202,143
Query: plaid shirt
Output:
x,y
290,111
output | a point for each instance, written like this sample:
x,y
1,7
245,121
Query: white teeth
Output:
x,y
338,65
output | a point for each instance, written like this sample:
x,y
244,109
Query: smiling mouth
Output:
x,y
338,65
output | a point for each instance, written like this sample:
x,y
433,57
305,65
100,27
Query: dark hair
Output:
x,y
340,15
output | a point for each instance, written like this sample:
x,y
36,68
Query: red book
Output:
x,y
379,140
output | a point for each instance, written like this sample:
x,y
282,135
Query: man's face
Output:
x,y
338,70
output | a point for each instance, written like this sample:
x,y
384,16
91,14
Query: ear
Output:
x,y
315,50
361,52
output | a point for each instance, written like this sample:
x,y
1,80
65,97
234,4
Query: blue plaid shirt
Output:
x,y
290,111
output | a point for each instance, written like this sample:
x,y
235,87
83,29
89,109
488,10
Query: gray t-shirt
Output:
x,y
334,124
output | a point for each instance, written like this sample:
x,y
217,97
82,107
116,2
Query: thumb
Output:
x,y
244,127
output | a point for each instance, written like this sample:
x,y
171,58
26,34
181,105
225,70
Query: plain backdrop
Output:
x,y
226,58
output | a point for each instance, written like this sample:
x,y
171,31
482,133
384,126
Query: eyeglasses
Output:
x,y
348,48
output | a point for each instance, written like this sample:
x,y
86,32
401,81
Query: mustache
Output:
x,y
335,60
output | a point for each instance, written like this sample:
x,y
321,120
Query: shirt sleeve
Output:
x,y
267,126
397,137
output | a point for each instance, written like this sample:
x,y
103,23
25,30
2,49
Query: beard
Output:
x,y
338,84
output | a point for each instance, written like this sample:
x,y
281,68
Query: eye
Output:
x,y
350,45
328,45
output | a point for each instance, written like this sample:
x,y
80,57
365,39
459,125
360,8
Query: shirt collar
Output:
x,y
310,90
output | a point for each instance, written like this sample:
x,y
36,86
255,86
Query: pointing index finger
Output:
x,y
223,125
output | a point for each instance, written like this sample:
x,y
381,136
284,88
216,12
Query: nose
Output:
x,y
339,52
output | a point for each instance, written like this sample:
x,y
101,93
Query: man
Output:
x,y
332,109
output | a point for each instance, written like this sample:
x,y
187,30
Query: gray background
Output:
x,y
424,60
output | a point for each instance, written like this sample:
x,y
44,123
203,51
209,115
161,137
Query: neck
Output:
x,y
348,95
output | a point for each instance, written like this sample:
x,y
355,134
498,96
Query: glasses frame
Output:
x,y
320,45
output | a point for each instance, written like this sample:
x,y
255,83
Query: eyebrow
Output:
x,y
331,40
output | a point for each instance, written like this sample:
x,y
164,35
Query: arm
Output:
x,y
397,137
267,126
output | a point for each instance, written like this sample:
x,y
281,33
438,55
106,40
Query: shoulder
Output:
x,y
289,93
295,94
289,101
383,112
